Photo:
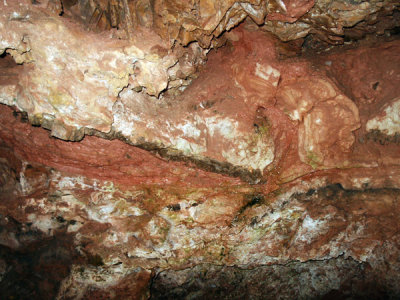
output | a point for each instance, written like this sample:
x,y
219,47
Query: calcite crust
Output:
x,y
199,149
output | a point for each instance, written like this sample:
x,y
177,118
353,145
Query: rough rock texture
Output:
x,y
271,171
117,234
337,278
110,86
205,20
67,81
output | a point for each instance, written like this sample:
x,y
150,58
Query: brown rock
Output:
x,y
271,171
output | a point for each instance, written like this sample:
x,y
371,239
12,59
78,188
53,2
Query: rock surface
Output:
x,y
118,233
272,170
332,279
205,20
110,86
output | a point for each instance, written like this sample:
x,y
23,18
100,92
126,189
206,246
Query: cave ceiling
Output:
x,y
148,142
138,71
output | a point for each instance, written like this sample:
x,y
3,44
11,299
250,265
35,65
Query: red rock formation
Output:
x,y
98,158
273,167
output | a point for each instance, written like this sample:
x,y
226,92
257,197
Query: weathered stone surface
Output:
x,y
78,83
387,121
368,75
276,114
328,20
110,86
274,172
336,278
121,231
316,103
205,20
115,283
115,160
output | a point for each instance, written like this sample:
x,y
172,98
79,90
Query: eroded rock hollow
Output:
x,y
201,149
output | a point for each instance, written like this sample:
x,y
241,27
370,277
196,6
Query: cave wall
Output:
x,y
204,149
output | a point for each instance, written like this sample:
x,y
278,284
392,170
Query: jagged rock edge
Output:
x,y
166,153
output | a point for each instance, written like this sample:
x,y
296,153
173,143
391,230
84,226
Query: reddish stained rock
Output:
x,y
120,230
99,158
173,215
217,120
369,75
134,286
298,114
313,123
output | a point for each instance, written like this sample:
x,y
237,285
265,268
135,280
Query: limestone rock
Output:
x,y
130,168
388,121
322,141
77,82
205,20
121,232
328,20
110,86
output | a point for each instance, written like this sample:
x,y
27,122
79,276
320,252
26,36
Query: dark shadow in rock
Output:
x,y
36,270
